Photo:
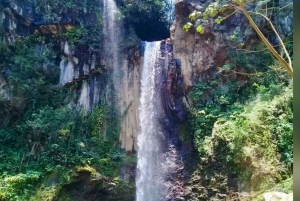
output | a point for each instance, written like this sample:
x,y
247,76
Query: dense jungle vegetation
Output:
x,y
247,133
245,130
42,134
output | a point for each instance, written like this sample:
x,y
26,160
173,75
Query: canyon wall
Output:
x,y
83,67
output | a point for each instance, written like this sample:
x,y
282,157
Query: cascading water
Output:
x,y
149,175
112,30
160,166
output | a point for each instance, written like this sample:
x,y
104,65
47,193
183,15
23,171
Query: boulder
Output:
x,y
277,196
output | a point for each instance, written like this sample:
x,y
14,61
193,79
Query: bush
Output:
x,y
18,187
256,142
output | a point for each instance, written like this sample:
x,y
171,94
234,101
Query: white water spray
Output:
x,y
148,182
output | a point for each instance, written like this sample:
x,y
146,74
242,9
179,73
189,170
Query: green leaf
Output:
x,y
200,29
187,26
195,15
219,20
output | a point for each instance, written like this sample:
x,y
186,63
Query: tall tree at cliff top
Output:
x,y
266,9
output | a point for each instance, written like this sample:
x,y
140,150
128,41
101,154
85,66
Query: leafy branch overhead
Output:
x,y
222,9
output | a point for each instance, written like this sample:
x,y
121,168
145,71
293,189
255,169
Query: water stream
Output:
x,y
112,30
149,175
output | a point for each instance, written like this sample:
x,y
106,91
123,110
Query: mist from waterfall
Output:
x,y
149,175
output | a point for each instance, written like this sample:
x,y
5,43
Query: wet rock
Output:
x,y
174,112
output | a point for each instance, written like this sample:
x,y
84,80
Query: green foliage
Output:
x,y
74,36
198,91
51,9
45,193
88,169
39,133
30,72
195,15
48,135
18,187
84,35
251,61
200,29
244,128
187,26
212,10
254,139
98,118
50,138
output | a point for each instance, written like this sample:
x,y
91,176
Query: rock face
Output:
x,y
20,19
83,185
202,54
199,54
174,113
193,60
278,196
80,66
129,98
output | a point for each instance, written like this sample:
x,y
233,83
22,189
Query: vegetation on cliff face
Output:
x,y
242,119
46,145
255,12
244,135
44,141
242,131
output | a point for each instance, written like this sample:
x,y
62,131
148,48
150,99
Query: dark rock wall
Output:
x,y
174,115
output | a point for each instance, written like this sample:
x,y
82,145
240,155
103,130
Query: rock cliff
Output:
x,y
81,65
201,55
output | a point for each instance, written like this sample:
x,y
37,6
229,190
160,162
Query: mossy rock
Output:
x,y
46,193
88,170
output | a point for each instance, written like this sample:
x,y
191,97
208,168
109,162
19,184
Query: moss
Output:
x,y
184,132
46,193
87,169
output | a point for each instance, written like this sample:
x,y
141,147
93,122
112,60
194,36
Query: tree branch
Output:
x,y
280,40
287,66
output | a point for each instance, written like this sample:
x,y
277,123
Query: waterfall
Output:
x,y
149,175
112,30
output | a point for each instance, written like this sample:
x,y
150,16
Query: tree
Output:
x,y
216,10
